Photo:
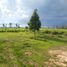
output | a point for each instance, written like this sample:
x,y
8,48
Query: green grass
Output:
x,y
20,49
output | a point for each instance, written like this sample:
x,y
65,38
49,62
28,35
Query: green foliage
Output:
x,y
17,26
57,32
26,27
47,32
34,23
12,30
22,50
54,32
10,24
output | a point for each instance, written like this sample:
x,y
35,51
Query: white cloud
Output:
x,y
9,13
13,10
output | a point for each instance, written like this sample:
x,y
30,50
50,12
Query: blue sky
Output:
x,y
51,12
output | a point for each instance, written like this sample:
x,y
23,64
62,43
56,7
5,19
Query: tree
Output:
x,y
34,23
10,25
4,25
17,26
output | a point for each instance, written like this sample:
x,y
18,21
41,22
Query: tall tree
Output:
x,y
34,23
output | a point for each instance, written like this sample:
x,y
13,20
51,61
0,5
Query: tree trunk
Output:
x,y
34,34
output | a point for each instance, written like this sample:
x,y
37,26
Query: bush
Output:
x,y
57,32
47,31
11,30
65,34
61,32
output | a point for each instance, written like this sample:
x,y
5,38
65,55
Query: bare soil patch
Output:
x,y
28,53
58,57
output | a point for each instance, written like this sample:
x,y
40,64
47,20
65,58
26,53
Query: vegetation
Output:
x,y
20,49
34,23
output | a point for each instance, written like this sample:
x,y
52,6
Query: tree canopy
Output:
x,y
34,23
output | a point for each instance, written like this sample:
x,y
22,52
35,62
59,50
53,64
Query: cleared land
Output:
x,y
18,48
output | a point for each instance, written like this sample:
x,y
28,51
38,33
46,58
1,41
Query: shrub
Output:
x,y
47,31
61,32
55,32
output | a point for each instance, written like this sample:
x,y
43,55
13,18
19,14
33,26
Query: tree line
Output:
x,y
10,25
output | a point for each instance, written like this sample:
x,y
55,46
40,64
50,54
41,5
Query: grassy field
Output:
x,y
18,48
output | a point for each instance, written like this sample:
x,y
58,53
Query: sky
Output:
x,y
51,12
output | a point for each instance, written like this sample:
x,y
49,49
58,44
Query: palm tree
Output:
x,y
3,25
17,25
10,25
